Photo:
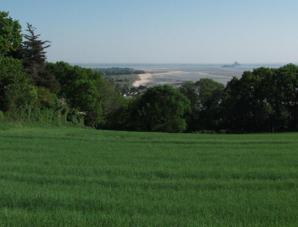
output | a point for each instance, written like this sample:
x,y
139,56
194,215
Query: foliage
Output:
x,y
16,92
111,98
79,87
10,34
205,97
262,100
34,55
121,118
162,108
87,91
2,116
46,99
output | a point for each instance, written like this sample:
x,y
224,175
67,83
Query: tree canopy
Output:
x,y
162,108
262,100
16,92
205,97
10,34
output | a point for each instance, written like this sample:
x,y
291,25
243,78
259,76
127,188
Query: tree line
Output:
x,y
32,89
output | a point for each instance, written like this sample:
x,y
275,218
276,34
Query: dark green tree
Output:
x,y
205,97
34,54
162,108
262,100
16,92
80,89
245,107
111,99
283,98
87,91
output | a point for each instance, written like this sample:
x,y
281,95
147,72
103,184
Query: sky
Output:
x,y
163,31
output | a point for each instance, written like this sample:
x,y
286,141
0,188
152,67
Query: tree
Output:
x,y
162,108
10,34
80,89
120,119
34,54
205,97
262,100
284,98
111,99
245,108
16,92
86,90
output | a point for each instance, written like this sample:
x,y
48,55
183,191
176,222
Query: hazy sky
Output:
x,y
164,31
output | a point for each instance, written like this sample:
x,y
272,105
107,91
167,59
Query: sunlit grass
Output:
x,y
84,177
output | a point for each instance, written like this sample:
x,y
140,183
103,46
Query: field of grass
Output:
x,y
84,177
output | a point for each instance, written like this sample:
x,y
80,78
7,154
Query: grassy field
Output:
x,y
84,177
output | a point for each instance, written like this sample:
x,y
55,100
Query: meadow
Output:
x,y
84,177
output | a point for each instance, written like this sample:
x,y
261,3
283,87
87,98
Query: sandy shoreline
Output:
x,y
143,80
146,78
176,77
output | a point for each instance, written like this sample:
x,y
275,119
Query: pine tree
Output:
x,y
34,54
34,59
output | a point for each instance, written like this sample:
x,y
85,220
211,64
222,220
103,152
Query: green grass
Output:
x,y
84,177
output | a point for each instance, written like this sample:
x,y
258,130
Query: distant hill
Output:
x,y
114,71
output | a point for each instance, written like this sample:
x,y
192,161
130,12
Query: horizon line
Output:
x,y
175,63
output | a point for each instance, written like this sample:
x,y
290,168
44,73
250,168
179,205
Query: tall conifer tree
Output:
x,y
34,54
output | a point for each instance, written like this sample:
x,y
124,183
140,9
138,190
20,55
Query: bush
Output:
x,y
46,99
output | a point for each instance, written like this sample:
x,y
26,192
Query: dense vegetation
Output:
x,y
85,177
33,89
